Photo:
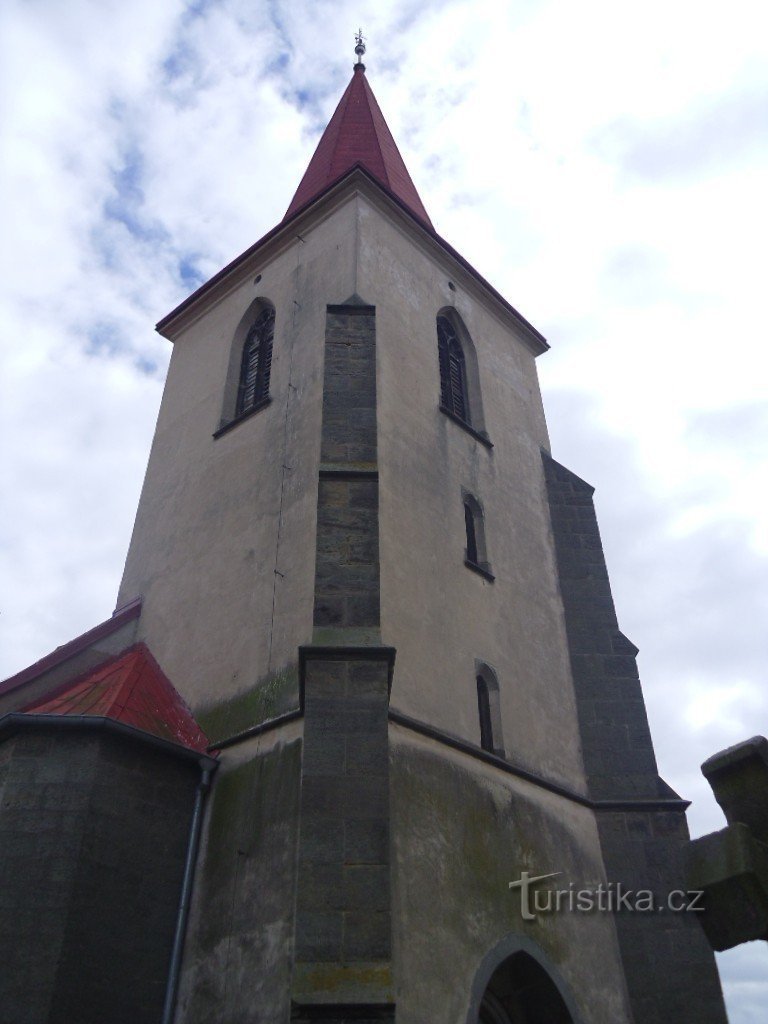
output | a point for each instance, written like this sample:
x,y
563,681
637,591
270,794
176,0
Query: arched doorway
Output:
x,y
517,988
521,992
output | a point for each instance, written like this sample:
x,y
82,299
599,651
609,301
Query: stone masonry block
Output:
x,y
365,797
322,842
327,757
329,611
330,676
366,887
362,610
731,867
366,842
323,797
364,495
318,936
367,755
326,708
364,721
369,678
321,886
334,493
739,779
367,936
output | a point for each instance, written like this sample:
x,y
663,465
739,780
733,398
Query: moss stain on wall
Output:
x,y
239,947
272,695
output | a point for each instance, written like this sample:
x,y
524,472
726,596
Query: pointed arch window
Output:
x,y
453,371
489,710
256,364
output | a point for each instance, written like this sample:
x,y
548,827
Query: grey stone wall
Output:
x,y
93,834
617,747
344,861
349,385
347,565
343,916
343,924
669,969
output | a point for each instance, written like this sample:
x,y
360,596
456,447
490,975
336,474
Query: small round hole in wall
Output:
x,y
452,286
257,279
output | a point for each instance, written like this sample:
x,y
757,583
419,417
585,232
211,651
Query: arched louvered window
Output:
x,y
453,374
489,710
256,362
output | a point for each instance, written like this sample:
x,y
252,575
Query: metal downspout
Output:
x,y
172,987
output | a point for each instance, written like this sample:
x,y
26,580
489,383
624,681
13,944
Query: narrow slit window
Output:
x,y
475,554
484,710
256,363
469,523
489,711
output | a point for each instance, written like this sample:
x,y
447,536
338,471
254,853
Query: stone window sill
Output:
x,y
242,417
478,435
483,570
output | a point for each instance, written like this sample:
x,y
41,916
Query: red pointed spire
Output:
x,y
358,134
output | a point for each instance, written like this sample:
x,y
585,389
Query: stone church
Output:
x,y
363,721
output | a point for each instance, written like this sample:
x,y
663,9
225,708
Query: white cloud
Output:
x,y
602,164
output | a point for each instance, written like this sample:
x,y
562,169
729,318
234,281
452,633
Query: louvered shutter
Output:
x,y
256,363
249,371
265,358
453,388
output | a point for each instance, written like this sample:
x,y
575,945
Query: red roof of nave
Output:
x,y
131,689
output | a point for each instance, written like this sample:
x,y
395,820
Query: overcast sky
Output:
x,y
603,164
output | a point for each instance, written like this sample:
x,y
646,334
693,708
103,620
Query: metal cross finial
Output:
x,y
360,47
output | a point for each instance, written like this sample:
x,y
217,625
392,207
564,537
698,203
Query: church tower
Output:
x,y
364,706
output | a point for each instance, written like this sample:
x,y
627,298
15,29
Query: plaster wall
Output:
x,y
223,546
462,831
237,956
440,615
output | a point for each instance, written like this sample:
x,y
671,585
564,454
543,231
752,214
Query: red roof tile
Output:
x,y
132,689
358,134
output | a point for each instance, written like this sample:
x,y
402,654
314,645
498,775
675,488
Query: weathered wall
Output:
x,y
462,831
224,557
223,546
93,834
439,614
237,960
642,846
